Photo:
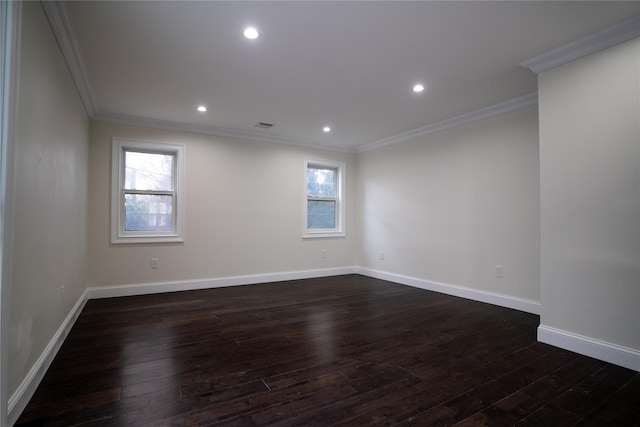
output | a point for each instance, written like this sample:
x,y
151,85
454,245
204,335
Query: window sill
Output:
x,y
323,234
146,239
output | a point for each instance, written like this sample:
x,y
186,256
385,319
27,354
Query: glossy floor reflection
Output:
x,y
346,350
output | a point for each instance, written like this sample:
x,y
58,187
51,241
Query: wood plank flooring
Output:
x,y
339,351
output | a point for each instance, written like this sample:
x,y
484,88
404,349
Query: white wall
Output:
x,y
444,207
449,206
50,196
590,196
243,213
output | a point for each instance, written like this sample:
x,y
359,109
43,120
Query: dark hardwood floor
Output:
x,y
343,351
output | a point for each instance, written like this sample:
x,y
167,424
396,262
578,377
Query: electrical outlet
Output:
x,y
381,255
155,263
324,253
499,272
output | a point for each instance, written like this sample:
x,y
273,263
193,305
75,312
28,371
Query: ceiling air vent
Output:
x,y
264,125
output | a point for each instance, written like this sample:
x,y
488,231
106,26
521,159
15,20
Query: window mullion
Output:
x,y
321,199
151,192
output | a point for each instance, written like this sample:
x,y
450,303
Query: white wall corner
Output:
x,y
618,355
190,285
507,301
60,21
10,39
618,33
18,401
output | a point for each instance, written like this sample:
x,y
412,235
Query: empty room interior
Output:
x,y
320,213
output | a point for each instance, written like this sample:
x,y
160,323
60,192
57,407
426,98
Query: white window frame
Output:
x,y
341,168
118,234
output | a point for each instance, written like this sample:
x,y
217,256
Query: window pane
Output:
x,y
321,214
321,182
148,171
148,212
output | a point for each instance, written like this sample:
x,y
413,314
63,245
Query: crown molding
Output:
x,y
473,116
60,21
59,18
591,43
124,119
482,113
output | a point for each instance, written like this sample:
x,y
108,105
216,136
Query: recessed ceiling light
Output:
x,y
202,108
326,129
251,33
418,88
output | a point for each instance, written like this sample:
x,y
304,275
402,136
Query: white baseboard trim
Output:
x,y
189,285
528,306
608,352
27,388
601,350
18,401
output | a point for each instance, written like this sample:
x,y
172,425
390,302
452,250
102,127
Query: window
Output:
x,y
323,205
146,192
